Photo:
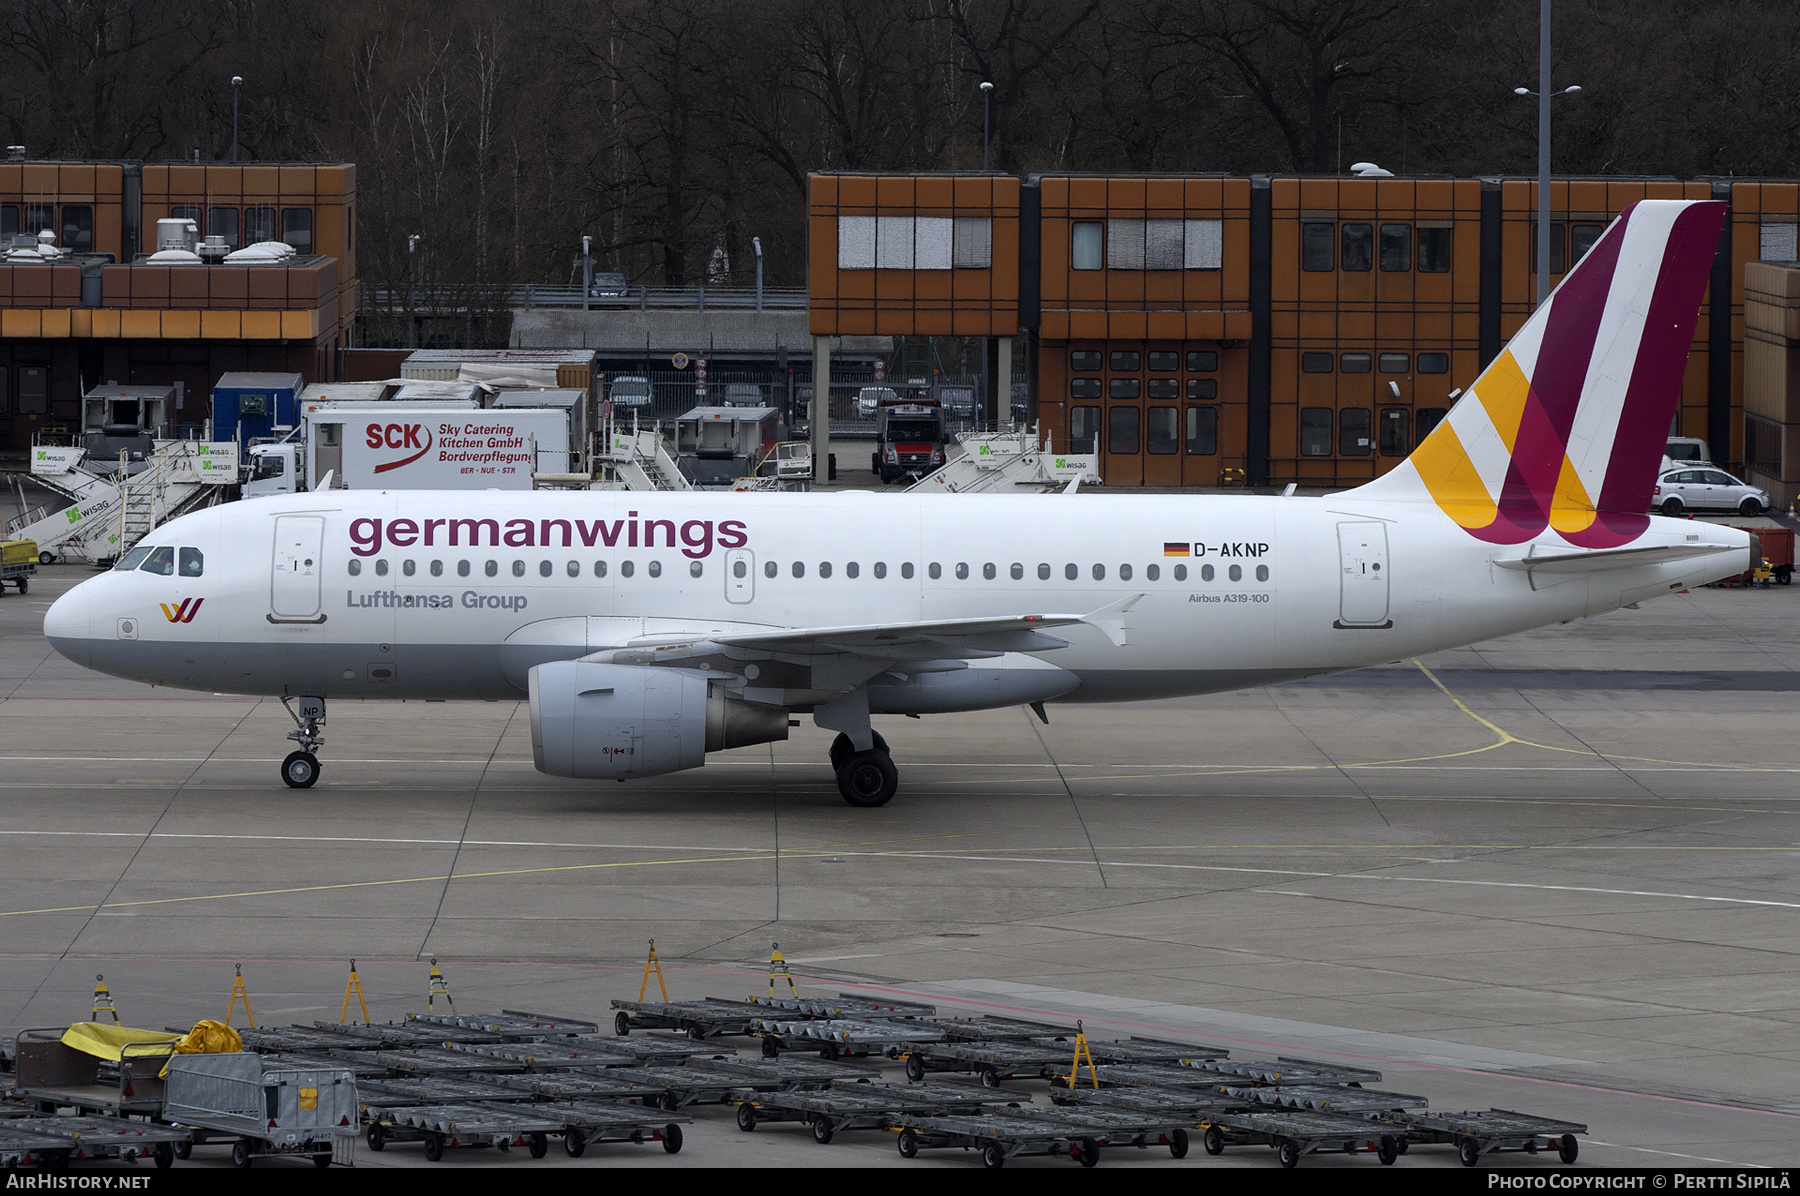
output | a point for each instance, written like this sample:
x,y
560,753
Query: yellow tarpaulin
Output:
x,y
107,1042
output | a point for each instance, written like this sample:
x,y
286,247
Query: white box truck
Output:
x,y
414,446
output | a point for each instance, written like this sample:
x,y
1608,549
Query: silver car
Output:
x,y
1682,490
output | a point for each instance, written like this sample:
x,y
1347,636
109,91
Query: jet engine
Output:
x,y
611,721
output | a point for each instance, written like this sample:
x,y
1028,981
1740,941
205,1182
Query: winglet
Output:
x,y
1111,619
324,483
1073,482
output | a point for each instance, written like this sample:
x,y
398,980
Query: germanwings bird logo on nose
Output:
x,y
185,612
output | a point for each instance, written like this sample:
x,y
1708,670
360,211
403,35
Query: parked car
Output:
x,y
958,401
1681,490
871,397
629,390
741,394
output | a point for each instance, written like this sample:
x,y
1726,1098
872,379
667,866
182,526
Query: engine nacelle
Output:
x,y
612,721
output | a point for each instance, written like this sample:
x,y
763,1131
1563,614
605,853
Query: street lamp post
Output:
x,y
237,82
756,244
412,289
587,270
1544,96
987,90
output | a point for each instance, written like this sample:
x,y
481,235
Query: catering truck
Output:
x,y
413,446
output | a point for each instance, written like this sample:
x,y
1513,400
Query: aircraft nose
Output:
x,y
68,624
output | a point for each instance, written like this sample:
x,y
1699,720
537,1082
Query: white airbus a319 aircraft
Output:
x,y
649,629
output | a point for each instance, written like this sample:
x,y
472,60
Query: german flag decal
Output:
x,y
1173,549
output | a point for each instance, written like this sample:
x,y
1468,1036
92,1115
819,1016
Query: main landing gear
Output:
x,y
864,778
301,769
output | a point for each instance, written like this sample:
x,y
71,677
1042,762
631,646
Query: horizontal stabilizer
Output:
x,y
1612,558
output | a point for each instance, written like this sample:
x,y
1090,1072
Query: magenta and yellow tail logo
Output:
x,y
1565,429
184,613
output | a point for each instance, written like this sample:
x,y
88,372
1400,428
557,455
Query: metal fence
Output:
x,y
446,299
674,392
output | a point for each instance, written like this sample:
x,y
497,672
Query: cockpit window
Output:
x,y
160,561
193,562
131,560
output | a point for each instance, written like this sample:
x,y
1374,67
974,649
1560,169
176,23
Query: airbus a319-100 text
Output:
x,y
648,629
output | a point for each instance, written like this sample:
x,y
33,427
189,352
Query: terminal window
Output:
x,y
1353,432
1164,361
1428,418
1202,388
297,228
1315,363
1434,363
1123,388
1396,247
1434,249
1394,439
38,217
9,223
34,390
1395,363
259,225
1202,431
1122,430
1315,431
1125,360
1085,359
1202,361
1084,429
1556,249
223,222
1084,388
1161,429
1165,388
1133,244
1353,363
1086,247
1582,238
1359,246
77,228
1315,246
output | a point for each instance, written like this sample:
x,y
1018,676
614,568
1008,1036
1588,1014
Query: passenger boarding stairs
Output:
x,y
998,462
106,516
637,459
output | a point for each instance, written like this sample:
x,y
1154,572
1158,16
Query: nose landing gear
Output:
x,y
301,769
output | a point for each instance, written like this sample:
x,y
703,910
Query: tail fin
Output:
x,y
1565,429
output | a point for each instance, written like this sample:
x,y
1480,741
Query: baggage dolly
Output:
x,y
94,1137
509,1024
565,1086
431,1062
1293,1133
1004,1135
710,1018
19,1147
447,1127
836,1037
994,1062
700,1083
1327,1098
1492,1131
1283,1070
595,1121
864,1106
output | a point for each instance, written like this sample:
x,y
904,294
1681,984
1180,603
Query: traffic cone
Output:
x,y
1791,514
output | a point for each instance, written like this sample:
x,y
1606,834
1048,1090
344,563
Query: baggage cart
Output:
x,y
564,1086
1293,1133
49,1075
849,1005
264,1111
836,1037
430,1062
710,1018
18,564
96,1137
994,1062
594,1121
864,1106
1327,1098
402,1035
1191,1105
401,1091
1284,1070
564,1054
20,1146
450,1127
700,1083
1007,1134
1492,1131
510,1026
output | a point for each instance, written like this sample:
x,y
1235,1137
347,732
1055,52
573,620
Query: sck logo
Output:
x,y
184,613
399,436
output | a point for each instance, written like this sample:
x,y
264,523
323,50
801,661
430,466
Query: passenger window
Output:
x,y
518,568
1359,246
599,568
626,568
935,571
739,569
880,570
1237,573
1099,572
574,568
906,570
799,569
1206,572
1181,573
380,568
409,567
695,568
770,568
824,569
1017,571
355,567
193,563
1124,572
1071,571
462,568
1262,573
545,568
850,570
437,568
962,572
492,568
161,561
1152,572
988,572
1044,572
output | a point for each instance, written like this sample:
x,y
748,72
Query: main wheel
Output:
x,y
1468,1152
746,1117
1671,506
621,1023
915,1068
823,1130
672,1138
24,584
1213,1140
574,1142
1751,507
538,1144
183,1149
770,1048
990,1078
434,1147
868,779
1568,1148
240,1153
992,1157
1087,1152
1386,1151
300,770
670,1101
46,558
1178,1144
164,1154
908,1144
321,1161
375,1136
1288,1153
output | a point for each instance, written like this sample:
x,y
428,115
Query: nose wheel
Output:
x,y
301,769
